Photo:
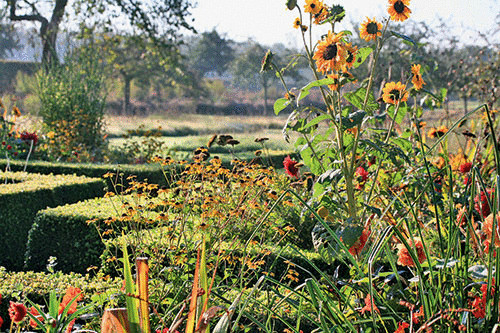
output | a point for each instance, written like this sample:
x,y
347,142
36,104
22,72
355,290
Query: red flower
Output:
x,y
165,330
1,321
401,327
404,257
9,147
27,136
481,203
71,293
464,168
369,305
17,312
362,173
290,167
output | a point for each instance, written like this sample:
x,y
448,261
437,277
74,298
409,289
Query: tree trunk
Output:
x,y
126,93
465,104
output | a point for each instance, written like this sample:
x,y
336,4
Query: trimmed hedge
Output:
x,y
24,195
152,172
63,232
19,286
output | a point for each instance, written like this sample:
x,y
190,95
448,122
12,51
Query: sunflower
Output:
x,y
297,23
351,55
398,9
394,93
331,53
417,79
335,78
313,6
321,15
370,29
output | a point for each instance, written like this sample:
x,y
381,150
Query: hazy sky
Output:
x,y
268,21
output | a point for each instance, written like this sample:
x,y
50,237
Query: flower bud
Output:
x,y
290,4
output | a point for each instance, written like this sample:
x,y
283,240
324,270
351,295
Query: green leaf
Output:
x,y
354,119
316,121
401,112
350,234
362,54
402,143
357,99
407,40
281,104
305,90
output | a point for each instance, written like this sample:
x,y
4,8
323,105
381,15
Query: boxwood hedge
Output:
x,y
22,195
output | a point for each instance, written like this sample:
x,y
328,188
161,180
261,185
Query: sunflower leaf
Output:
x,y
407,40
362,54
401,112
280,104
305,90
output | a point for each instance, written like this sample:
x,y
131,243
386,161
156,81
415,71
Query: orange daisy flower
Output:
x,y
321,15
404,257
313,6
297,23
351,55
370,29
394,92
331,53
369,305
417,79
398,9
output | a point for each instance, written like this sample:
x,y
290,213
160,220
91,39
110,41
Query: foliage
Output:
x,y
72,97
24,196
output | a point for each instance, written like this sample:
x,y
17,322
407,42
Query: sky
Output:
x,y
269,22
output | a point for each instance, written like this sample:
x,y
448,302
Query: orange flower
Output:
x,y
351,55
358,246
401,327
404,257
398,9
417,314
369,305
331,53
394,92
296,23
488,229
36,314
313,6
321,15
335,85
71,293
417,79
370,29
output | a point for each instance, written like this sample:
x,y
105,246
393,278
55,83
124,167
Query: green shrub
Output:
x,y
63,232
152,172
24,195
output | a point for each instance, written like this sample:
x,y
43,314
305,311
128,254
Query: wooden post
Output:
x,y
115,321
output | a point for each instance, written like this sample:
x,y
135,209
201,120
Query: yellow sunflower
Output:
x,y
351,55
370,29
417,79
331,53
297,23
394,93
321,15
313,6
398,9
335,85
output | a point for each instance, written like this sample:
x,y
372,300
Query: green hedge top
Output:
x,y
29,182
152,172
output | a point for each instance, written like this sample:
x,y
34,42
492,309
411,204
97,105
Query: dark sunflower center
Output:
x,y
417,77
394,94
312,6
399,7
372,28
350,57
330,52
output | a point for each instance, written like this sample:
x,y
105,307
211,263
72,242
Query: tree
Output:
x,y
211,52
160,20
8,40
